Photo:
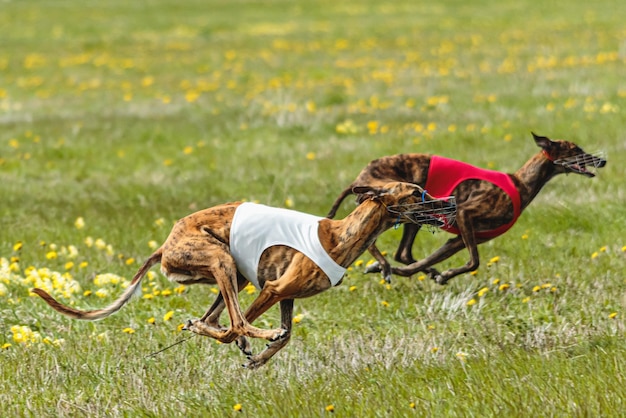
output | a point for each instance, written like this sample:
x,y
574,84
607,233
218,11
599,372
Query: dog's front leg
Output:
x,y
404,254
286,319
447,250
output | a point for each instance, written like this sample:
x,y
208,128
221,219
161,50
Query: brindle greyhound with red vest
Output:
x,y
488,202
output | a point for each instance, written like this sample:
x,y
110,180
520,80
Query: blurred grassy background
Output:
x,y
132,115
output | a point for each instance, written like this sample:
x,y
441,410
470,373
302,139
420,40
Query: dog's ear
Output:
x,y
542,141
368,192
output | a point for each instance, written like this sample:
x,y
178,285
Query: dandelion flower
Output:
x,y
494,259
298,318
180,327
153,245
526,300
151,320
51,255
359,263
87,293
412,405
237,407
310,156
594,255
471,302
17,246
5,346
79,223
434,349
536,288
504,286
482,292
289,202
129,261
168,316
330,408
352,288
384,303
612,315
128,331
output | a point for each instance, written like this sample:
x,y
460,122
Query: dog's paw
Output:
x,y
280,334
253,363
244,345
373,268
440,279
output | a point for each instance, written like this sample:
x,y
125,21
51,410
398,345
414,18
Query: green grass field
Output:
x,y
117,118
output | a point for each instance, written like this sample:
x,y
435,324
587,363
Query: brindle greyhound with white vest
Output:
x,y
212,246
488,202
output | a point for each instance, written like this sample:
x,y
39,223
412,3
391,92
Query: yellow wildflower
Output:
x,y
168,316
482,292
352,288
330,408
128,330
17,246
471,302
237,407
79,223
151,320
612,315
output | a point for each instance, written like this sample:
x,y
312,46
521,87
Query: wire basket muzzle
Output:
x,y
585,163
438,213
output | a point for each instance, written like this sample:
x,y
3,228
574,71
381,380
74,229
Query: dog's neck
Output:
x,y
346,239
533,175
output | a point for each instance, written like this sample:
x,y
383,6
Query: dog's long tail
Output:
x,y
333,210
94,315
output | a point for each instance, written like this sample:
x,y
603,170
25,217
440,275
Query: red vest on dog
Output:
x,y
445,174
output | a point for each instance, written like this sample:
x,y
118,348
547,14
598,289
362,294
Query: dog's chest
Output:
x,y
258,227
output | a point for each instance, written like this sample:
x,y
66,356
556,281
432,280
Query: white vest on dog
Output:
x,y
257,227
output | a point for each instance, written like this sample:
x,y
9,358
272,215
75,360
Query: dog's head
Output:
x,y
408,202
569,157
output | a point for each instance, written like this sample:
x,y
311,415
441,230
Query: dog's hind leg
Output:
x,y
286,319
212,315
